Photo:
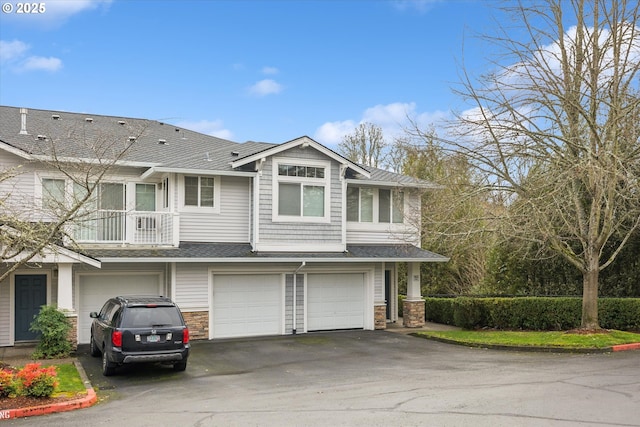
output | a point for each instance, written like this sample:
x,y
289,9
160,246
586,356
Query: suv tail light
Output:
x,y
116,338
185,336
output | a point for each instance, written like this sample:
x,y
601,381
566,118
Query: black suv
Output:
x,y
139,329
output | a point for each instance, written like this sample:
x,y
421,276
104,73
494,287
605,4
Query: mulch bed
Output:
x,y
28,402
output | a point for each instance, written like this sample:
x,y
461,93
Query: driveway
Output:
x,y
364,378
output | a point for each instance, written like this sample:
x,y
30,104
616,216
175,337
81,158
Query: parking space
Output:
x,y
366,378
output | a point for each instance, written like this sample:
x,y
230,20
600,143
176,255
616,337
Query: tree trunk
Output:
x,y
590,295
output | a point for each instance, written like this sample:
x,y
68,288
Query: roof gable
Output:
x,y
304,142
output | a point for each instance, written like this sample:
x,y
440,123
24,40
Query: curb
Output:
x,y
625,347
82,402
620,347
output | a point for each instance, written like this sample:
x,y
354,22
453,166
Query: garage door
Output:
x,y
335,301
246,305
95,290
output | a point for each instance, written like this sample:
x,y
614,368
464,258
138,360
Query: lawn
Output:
x,y
554,339
69,381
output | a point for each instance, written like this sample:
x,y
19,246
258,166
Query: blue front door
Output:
x,y
31,294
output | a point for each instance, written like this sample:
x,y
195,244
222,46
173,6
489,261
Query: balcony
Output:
x,y
128,228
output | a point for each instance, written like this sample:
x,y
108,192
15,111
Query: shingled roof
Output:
x,y
155,145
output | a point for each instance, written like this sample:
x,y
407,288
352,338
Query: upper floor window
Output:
x,y
53,193
301,190
145,197
365,204
199,191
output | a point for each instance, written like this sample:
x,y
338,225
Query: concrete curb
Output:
x,y
625,347
621,347
82,402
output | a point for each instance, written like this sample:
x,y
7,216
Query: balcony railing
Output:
x,y
132,227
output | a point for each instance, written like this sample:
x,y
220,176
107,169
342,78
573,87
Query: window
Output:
x,y
391,206
301,190
375,205
165,193
199,191
53,193
145,197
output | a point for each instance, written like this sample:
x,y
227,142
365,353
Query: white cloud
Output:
x,y
14,53
270,70
56,13
10,51
208,127
331,133
421,6
265,87
41,63
393,118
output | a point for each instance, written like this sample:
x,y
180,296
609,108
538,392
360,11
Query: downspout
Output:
x,y
295,301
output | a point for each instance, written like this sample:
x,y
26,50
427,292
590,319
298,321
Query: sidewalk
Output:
x,y
399,328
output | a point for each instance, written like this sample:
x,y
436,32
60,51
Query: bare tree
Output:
x,y
365,145
34,225
555,130
453,220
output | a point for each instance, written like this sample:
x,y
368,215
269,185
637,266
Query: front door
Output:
x,y
31,294
387,291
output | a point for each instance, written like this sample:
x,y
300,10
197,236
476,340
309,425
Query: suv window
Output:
x,y
144,317
107,312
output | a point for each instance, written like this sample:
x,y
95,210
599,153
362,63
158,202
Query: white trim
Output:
x,y
206,172
305,142
300,247
215,209
320,182
8,148
257,260
394,184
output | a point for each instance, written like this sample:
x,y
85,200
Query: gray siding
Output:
x,y
232,224
288,314
296,232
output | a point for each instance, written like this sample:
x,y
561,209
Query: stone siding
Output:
x,y
198,324
413,314
380,316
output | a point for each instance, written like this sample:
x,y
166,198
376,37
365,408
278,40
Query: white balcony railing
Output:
x,y
135,228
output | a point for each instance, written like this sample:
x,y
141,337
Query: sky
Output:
x,y
245,70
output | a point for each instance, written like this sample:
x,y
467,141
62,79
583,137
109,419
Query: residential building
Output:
x,y
248,239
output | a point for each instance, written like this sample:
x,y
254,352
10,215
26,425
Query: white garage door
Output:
x,y
94,291
246,305
335,301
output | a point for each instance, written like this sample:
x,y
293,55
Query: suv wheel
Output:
x,y
180,366
108,368
93,349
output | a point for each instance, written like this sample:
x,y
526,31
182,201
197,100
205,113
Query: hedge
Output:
x,y
530,313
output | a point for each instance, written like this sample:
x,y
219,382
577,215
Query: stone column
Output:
x,y
413,307
380,316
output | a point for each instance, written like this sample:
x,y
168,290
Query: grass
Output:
x,y
69,380
534,339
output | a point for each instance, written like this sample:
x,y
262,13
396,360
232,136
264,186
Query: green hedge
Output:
x,y
530,313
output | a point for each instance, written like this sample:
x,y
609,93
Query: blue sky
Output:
x,y
245,70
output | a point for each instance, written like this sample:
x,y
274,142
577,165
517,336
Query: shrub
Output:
x,y
7,383
54,329
36,381
531,313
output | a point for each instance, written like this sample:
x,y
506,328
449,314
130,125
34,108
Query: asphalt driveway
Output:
x,y
364,378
